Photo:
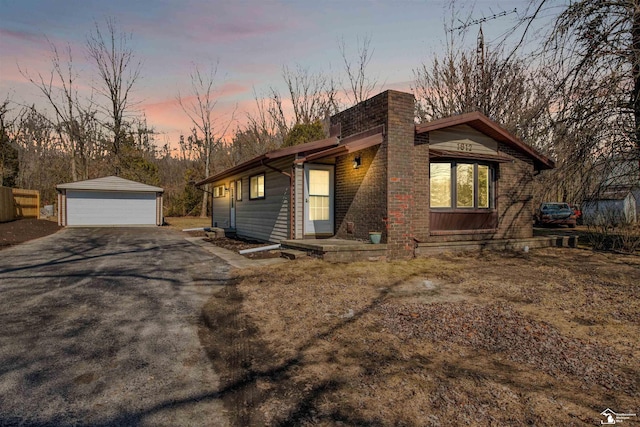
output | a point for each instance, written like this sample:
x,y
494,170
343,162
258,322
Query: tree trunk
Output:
x,y
207,170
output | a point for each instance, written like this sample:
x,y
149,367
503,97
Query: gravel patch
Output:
x,y
501,329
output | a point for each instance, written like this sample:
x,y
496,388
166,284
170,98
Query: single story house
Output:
x,y
614,206
459,178
109,201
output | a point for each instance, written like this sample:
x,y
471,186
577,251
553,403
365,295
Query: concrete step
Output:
x,y
292,254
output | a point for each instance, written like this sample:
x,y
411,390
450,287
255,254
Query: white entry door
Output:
x,y
318,199
232,204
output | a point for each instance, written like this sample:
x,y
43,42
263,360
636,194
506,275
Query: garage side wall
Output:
x,y
62,208
159,209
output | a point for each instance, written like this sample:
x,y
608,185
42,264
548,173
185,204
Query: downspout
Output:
x,y
291,210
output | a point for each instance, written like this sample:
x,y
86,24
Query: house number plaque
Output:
x,y
464,147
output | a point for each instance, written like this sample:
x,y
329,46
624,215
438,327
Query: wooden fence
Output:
x,y
19,203
27,203
7,211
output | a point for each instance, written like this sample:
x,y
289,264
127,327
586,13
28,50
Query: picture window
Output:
x,y
460,185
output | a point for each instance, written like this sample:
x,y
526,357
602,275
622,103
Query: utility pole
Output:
x,y
480,77
480,51
480,47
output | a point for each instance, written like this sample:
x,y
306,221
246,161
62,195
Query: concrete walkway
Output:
x,y
232,258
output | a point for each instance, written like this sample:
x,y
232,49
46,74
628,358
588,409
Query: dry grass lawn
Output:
x,y
545,338
182,222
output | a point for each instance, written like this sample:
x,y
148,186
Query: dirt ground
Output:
x,y
544,338
22,230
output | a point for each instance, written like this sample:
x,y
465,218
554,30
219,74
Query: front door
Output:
x,y
318,199
232,204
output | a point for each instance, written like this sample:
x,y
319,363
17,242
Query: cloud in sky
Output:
x,y
250,39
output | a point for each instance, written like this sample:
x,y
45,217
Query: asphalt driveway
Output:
x,y
100,327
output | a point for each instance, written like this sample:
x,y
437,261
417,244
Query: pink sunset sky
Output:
x,y
250,40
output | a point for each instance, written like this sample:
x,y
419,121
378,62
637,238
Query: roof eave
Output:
x,y
483,124
256,161
312,146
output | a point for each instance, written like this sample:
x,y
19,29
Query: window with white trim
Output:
x,y
256,187
218,191
239,190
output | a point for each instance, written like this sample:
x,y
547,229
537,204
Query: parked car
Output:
x,y
578,213
556,213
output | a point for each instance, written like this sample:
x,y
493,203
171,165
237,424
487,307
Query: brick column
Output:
x,y
400,172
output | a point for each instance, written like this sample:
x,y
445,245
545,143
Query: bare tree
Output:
x,y
361,86
199,107
43,161
9,164
506,90
60,89
118,72
260,134
313,97
591,58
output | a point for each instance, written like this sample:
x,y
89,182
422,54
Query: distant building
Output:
x,y
618,200
612,207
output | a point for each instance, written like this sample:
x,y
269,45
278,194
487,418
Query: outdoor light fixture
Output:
x,y
357,162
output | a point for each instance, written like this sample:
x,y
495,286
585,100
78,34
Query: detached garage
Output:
x,y
109,201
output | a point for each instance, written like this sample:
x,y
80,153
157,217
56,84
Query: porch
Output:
x,y
339,250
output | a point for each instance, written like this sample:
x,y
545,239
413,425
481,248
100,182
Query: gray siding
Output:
x,y
220,208
265,219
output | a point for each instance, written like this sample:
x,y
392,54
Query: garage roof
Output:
x,y
110,183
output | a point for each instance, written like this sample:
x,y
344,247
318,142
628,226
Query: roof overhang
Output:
x,y
357,142
309,147
497,158
482,123
110,183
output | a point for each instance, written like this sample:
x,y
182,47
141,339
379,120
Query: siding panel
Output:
x,y
475,142
265,219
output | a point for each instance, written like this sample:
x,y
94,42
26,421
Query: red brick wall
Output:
x,y
515,196
361,193
379,195
514,201
400,170
390,191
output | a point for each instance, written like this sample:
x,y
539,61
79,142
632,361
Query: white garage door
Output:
x,y
110,208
